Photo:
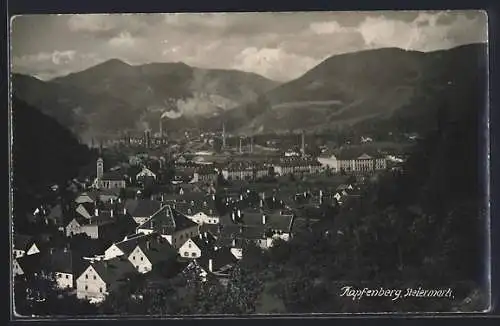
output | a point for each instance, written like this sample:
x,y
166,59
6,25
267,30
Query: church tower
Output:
x,y
100,168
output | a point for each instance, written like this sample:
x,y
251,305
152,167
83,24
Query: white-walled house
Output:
x,y
195,247
170,224
102,277
200,211
24,245
329,162
64,265
145,173
151,252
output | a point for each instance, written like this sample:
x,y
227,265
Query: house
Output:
x,y
102,277
64,264
141,209
126,246
256,226
26,266
171,224
24,245
16,268
218,264
145,173
103,225
150,252
195,247
200,211
102,195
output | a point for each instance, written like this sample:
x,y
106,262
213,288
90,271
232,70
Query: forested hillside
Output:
x,y
44,153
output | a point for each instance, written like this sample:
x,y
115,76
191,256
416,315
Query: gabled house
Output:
x,y
103,225
24,245
64,264
145,173
200,211
17,270
203,244
141,209
102,277
125,247
94,196
170,224
26,266
151,252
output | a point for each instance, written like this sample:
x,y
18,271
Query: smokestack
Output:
x,y
251,144
241,142
161,128
264,218
303,145
210,265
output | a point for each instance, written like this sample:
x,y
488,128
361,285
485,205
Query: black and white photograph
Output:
x,y
249,164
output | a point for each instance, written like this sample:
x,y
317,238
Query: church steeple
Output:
x,y
100,168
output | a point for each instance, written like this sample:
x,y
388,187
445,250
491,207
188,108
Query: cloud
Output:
x,y
328,28
273,63
424,33
124,39
278,45
47,65
90,23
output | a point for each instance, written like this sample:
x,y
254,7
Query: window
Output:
x,y
86,277
189,245
133,257
58,275
142,258
86,287
67,276
95,277
100,290
193,254
186,254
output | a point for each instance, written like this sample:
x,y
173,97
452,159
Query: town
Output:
x,y
190,202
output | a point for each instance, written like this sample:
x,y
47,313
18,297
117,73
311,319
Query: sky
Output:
x,y
279,46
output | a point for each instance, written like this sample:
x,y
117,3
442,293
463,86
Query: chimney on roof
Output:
x,y
152,197
262,195
264,218
119,200
210,265
96,212
213,197
201,236
124,210
148,245
111,213
112,200
51,251
105,263
205,235
239,213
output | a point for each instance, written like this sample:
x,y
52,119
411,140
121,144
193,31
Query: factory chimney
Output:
x,y
241,141
251,144
161,128
303,143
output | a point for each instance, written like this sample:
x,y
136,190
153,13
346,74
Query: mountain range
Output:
x,y
115,96
383,88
